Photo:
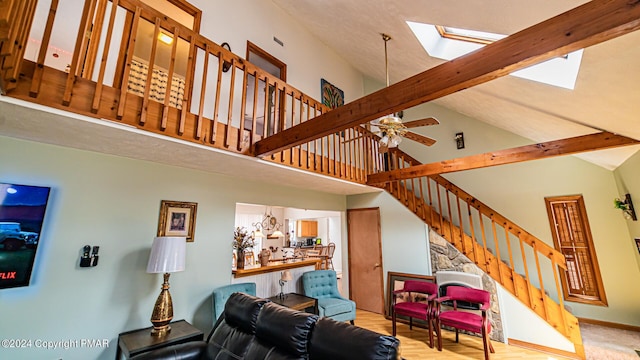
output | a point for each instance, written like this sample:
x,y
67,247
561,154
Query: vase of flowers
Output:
x,y
242,240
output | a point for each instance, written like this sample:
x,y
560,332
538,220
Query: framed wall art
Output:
x,y
177,218
395,281
331,95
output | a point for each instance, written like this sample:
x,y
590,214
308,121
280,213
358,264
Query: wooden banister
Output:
x,y
352,154
446,202
224,116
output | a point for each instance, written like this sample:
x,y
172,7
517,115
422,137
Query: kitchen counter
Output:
x,y
274,266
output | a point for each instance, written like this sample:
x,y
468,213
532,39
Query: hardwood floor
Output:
x,y
414,343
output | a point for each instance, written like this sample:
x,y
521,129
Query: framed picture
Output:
x,y
638,244
395,281
177,218
249,259
331,95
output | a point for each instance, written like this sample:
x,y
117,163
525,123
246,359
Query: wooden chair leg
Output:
x,y
393,322
486,348
456,334
439,334
430,327
486,341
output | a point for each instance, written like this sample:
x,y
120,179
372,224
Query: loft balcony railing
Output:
x,y
189,94
192,89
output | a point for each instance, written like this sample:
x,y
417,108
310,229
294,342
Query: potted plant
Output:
x,y
626,206
242,240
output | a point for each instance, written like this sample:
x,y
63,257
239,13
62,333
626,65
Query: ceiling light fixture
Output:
x,y
391,127
167,39
268,223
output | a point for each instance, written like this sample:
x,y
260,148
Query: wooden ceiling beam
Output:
x,y
599,141
592,23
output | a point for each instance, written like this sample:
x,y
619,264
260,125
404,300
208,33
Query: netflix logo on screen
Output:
x,y
22,210
8,275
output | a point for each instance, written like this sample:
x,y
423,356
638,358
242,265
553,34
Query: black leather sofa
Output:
x,y
257,329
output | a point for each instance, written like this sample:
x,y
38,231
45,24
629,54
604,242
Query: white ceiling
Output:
x,y
606,96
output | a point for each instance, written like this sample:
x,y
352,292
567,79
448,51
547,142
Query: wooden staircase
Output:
x,y
479,232
516,259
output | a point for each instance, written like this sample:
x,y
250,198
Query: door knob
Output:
x,y
376,266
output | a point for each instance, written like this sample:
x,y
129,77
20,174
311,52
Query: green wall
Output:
x,y
518,191
628,181
113,202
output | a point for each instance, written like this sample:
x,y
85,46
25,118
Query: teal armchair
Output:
x,y
222,293
323,285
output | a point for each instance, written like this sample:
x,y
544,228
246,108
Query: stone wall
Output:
x,y
446,257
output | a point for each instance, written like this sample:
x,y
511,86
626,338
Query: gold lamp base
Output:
x,y
162,311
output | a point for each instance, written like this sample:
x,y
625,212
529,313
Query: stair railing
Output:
x,y
522,263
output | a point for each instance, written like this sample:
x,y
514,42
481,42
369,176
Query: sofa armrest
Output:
x,y
186,351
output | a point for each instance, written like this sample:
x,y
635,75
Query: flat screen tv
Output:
x,y
22,209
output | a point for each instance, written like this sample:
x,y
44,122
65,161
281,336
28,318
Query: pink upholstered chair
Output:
x,y
465,320
422,309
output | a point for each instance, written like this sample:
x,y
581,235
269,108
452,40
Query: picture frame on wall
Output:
x,y
331,95
177,218
395,281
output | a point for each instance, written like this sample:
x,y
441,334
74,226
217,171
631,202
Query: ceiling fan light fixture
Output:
x,y
384,140
391,129
395,140
390,120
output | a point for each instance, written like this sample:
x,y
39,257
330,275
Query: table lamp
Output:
x,y
286,276
167,255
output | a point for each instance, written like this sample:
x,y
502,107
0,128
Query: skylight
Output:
x,y
448,43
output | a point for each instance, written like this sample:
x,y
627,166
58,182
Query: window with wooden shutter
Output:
x,y
581,282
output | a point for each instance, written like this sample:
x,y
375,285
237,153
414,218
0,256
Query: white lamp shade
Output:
x,y
277,233
286,275
168,254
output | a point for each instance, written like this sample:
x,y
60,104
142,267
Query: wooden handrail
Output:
x,y
352,154
484,209
212,110
440,204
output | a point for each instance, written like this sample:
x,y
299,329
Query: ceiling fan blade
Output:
x,y
421,122
419,138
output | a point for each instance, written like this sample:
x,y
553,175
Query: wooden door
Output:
x,y
365,259
581,281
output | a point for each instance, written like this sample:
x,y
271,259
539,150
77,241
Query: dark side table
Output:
x,y
136,342
297,302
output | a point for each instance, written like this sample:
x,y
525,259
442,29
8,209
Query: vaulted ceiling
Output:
x,y
606,95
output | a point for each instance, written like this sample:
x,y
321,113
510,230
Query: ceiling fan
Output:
x,y
391,129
